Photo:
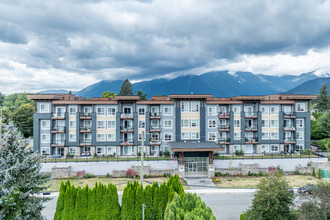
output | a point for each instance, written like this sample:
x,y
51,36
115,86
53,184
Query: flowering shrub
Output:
x,y
131,173
81,174
271,168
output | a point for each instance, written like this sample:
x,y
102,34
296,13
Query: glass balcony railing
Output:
x,y
58,115
224,127
251,140
251,114
122,128
224,115
59,128
126,141
126,115
154,114
58,142
224,140
252,127
86,128
154,128
86,114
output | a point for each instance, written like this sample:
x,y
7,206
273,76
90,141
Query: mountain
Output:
x,y
55,91
220,84
311,87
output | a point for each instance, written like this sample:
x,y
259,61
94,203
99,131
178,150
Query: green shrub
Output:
x,y
68,155
242,216
319,174
260,174
217,174
309,164
88,175
313,173
280,170
296,172
166,153
239,153
250,174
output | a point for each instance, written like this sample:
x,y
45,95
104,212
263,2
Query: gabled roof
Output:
x,y
189,146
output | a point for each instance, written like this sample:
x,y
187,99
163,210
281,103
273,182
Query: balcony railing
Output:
x,y
86,141
289,114
126,115
289,139
155,128
251,114
224,115
59,128
58,142
86,128
251,140
253,127
155,142
126,129
289,128
126,142
155,115
224,127
58,115
224,140
86,115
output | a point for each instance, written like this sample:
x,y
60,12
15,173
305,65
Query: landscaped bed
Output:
x,y
252,181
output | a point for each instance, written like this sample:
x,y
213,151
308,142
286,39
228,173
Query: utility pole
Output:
x,y
142,154
143,206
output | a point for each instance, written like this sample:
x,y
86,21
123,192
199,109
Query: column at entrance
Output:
x,y
211,168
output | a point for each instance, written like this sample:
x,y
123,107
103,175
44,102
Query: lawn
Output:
x,y
96,159
251,182
119,182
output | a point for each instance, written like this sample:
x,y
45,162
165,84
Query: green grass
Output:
x,y
94,159
269,156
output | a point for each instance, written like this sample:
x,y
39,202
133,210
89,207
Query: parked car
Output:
x,y
307,189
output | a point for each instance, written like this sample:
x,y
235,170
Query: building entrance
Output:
x,y
196,166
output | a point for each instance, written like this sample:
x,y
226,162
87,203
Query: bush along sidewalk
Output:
x,y
101,202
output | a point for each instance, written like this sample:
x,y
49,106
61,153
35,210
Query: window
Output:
x,y
140,137
100,137
111,137
45,124
237,148
195,106
185,123
111,111
273,135
274,148
222,122
45,138
299,147
237,136
72,150
72,137
142,111
274,110
167,110
72,124
194,122
273,123
264,135
300,123
265,123
264,110
212,136
142,124
248,149
100,124
111,124
236,123
100,111
300,135
222,110
212,111
154,109
237,110
87,110
167,123
72,110
100,150
127,150
184,106
194,135
184,135
111,150
45,150
44,108
264,148
168,136
212,123
127,110
300,107
287,109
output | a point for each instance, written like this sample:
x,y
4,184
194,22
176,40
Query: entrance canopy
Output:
x,y
193,146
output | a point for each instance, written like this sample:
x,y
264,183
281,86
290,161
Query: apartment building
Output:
x,y
190,126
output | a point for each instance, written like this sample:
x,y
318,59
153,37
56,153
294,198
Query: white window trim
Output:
x,y
45,110
97,137
302,120
197,122
266,123
187,137
108,139
213,112
169,107
267,147
97,124
70,113
191,136
47,127
265,138
45,141
276,145
183,123
195,102
302,135
215,125
143,112
186,102
274,126
238,136
111,112
97,111
168,133
270,136
239,124
47,150
74,139
165,127
107,124
213,134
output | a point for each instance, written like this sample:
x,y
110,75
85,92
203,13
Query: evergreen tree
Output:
x,y
149,212
109,94
91,203
23,119
163,192
142,96
126,88
60,200
322,100
114,203
81,210
69,203
139,201
128,200
156,203
2,97
20,177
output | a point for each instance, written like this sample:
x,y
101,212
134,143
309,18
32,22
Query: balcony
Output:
x,y
224,127
251,128
86,115
126,116
289,128
86,142
58,129
155,142
126,129
224,115
86,129
251,115
155,129
289,140
58,143
224,141
251,140
289,115
58,115
155,115
127,142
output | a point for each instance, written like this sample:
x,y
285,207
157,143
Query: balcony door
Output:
x,y
127,110
248,110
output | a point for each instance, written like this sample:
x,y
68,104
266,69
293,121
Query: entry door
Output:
x,y
192,167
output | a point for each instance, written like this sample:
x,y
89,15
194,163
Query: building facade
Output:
x,y
183,124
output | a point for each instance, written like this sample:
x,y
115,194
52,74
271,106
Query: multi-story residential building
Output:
x,y
190,126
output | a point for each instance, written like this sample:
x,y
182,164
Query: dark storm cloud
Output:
x,y
151,38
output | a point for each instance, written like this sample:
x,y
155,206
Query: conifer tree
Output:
x,y
149,213
156,203
20,177
163,192
91,203
322,99
69,203
115,207
60,201
81,210
139,201
126,88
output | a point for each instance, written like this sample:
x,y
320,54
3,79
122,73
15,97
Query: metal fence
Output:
x,y
251,156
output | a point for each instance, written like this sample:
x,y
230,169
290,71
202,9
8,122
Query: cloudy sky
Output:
x,y
69,44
